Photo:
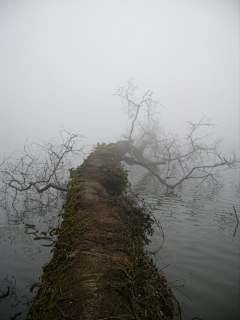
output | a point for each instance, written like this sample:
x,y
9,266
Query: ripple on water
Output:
x,y
200,247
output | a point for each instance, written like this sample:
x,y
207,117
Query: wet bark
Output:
x,y
99,269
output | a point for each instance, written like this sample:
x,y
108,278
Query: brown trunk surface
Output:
x,y
99,269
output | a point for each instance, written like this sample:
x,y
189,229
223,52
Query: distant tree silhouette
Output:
x,y
37,177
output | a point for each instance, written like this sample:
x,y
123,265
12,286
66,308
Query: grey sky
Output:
x,y
61,62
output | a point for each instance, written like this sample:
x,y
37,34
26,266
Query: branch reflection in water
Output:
x,y
200,247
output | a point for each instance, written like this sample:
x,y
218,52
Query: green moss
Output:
x,y
97,148
147,288
73,224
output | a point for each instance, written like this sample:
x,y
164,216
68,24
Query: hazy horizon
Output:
x,y
61,63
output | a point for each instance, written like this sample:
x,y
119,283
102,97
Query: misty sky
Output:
x,y
61,63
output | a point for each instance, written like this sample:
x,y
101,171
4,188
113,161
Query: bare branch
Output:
x,y
170,159
39,168
142,111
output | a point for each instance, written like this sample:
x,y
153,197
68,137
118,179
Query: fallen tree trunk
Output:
x,y
99,269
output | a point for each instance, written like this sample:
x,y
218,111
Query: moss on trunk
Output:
x,y
99,269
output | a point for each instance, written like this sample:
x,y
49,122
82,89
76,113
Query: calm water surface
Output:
x,y
25,247
200,254
201,245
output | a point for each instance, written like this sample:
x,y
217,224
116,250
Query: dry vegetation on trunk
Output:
x,y
99,269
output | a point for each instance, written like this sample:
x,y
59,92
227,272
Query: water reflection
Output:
x,y
40,235
201,245
26,246
199,255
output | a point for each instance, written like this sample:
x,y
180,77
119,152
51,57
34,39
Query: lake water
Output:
x,y
200,253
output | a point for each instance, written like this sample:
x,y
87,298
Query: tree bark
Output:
x,y
99,269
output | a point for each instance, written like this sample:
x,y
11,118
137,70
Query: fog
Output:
x,y
61,63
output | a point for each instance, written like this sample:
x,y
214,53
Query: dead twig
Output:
x,y
237,221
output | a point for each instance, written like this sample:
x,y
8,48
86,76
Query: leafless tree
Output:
x,y
171,159
37,177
